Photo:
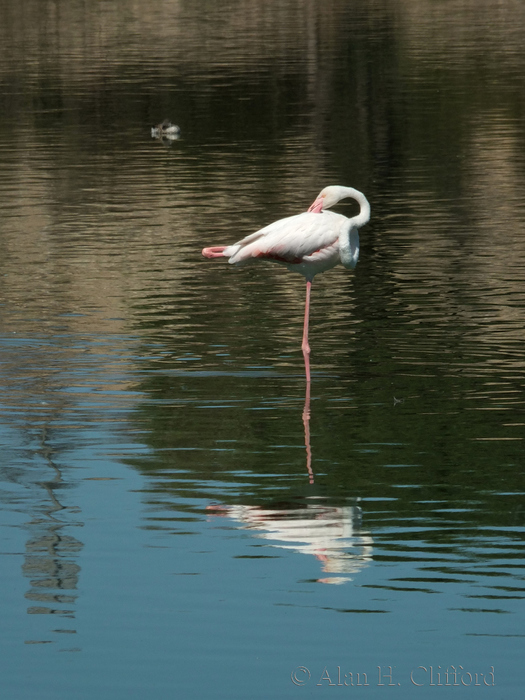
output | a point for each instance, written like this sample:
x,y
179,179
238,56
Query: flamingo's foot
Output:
x,y
214,251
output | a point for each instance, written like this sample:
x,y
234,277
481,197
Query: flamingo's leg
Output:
x,y
305,347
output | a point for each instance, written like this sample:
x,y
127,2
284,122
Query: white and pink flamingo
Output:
x,y
308,243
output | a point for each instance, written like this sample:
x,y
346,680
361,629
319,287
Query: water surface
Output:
x,y
178,514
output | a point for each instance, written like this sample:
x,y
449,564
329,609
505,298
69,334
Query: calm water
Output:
x,y
174,507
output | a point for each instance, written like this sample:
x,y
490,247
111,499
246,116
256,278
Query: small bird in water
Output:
x,y
165,130
308,243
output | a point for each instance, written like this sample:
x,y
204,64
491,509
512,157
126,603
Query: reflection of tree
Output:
x,y
50,555
53,572
43,414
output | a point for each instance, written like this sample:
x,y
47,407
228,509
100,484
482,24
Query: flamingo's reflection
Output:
x,y
331,534
306,423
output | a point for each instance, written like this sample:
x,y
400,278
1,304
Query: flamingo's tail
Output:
x,y
214,251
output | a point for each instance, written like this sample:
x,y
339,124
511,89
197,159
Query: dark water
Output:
x,y
173,505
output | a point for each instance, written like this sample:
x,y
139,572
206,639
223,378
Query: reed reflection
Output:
x,y
46,419
50,559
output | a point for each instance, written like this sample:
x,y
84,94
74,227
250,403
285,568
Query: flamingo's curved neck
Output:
x,y
349,238
364,215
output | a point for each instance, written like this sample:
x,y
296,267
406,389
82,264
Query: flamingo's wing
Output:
x,y
290,240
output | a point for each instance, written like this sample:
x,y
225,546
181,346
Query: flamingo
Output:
x,y
308,243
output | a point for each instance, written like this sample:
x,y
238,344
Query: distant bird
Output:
x,y
308,243
165,129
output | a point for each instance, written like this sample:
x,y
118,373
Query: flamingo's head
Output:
x,y
328,197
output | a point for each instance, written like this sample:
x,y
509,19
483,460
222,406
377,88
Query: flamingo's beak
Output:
x,y
317,206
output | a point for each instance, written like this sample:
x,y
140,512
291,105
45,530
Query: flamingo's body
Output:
x,y
308,243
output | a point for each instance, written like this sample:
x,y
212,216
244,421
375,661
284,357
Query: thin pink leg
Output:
x,y
305,347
